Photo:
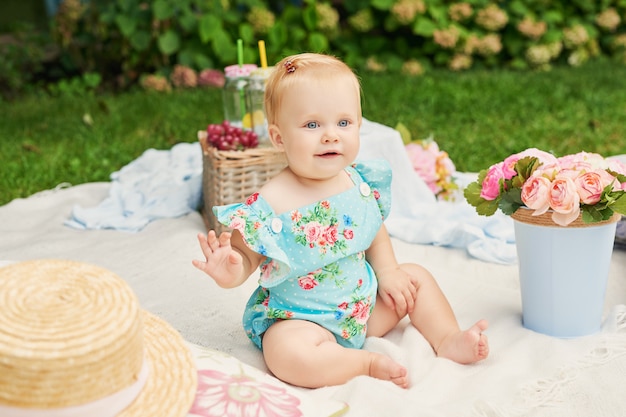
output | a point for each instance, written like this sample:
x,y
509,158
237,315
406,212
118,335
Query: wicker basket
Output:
x,y
231,176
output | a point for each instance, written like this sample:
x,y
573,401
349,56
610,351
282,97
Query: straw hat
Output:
x,y
74,342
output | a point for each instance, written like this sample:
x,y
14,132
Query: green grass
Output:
x,y
478,117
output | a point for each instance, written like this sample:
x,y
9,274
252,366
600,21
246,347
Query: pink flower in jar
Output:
x,y
508,166
535,193
491,184
564,200
544,157
616,165
589,187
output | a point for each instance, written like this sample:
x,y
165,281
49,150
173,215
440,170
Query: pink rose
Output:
x,y
564,200
535,193
238,223
252,198
616,165
343,305
361,312
508,167
491,184
608,179
348,234
312,231
331,234
549,171
307,282
545,157
589,187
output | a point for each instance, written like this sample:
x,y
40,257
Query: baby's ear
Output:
x,y
275,136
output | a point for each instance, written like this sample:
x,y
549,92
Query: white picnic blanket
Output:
x,y
527,374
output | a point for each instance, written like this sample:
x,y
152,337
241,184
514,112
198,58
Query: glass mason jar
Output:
x,y
255,92
234,93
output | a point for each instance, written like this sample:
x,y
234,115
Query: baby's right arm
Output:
x,y
228,260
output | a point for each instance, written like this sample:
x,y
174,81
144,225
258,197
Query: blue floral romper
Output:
x,y
315,267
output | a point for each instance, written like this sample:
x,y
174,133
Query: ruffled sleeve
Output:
x,y
377,174
253,219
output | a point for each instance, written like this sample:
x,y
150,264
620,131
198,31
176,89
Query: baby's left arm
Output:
x,y
395,286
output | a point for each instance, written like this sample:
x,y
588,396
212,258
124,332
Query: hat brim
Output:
x,y
171,386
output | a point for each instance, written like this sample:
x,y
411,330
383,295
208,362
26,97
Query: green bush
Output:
x,y
123,40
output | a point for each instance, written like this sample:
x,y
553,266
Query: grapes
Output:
x,y
226,137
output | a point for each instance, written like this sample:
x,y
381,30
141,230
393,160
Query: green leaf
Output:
x,y
553,16
511,201
169,42
383,4
620,203
209,27
126,25
278,35
225,47
246,33
318,42
405,133
439,14
162,10
518,7
424,26
188,22
140,40
309,16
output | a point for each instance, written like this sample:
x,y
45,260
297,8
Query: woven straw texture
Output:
x,y
72,333
171,386
526,216
231,176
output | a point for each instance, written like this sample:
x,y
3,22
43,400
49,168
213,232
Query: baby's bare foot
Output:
x,y
466,346
385,368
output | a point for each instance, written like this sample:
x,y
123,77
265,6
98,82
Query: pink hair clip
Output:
x,y
290,66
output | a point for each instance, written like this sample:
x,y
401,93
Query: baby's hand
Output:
x,y
223,263
398,290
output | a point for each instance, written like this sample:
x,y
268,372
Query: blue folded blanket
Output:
x,y
158,184
168,183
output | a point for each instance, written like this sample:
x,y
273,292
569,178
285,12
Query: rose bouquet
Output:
x,y
582,183
434,166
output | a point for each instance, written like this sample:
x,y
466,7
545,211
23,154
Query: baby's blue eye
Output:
x,y
344,123
312,125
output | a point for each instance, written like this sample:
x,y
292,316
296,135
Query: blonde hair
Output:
x,y
302,68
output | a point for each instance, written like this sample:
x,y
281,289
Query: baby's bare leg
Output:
x,y
434,318
303,353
